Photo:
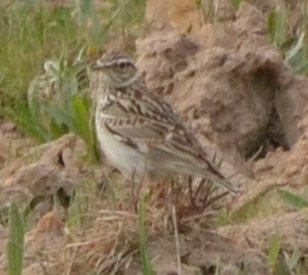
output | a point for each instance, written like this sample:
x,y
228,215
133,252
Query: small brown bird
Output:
x,y
139,133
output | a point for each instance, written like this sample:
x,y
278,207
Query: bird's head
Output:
x,y
116,67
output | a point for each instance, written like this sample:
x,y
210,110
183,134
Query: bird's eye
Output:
x,y
122,65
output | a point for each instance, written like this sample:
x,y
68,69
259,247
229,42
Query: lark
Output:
x,y
139,133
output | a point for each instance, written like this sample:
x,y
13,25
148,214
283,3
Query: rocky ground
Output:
x,y
245,105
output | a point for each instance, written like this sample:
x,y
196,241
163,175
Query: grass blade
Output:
x,y
281,268
81,113
278,26
293,200
146,264
273,250
82,122
297,47
15,250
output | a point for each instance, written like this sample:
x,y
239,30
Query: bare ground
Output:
x,y
239,97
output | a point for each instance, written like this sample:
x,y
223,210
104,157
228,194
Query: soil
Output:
x,y
246,106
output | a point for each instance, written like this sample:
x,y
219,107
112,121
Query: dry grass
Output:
x,y
100,231
106,241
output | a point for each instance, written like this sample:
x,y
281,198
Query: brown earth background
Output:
x,y
239,96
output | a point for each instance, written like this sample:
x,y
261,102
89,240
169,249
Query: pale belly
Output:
x,y
123,157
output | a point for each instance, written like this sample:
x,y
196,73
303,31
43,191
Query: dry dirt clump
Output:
x,y
290,228
240,97
45,171
232,86
235,91
43,183
199,255
12,142
184,15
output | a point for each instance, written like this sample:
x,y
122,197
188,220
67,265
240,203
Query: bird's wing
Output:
x,y
142,118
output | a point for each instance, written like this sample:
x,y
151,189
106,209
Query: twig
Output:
x,y
176,237
247,163
71,261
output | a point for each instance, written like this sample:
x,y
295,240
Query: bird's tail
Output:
x,y
216,177
212,173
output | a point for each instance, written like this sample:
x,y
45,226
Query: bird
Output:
x,y
139,133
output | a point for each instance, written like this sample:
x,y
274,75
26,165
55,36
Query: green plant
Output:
x,y
294,45
273,250
278,26
293,200
276,259
58,101
297,54
282,261
15,249
236,3
67,35
293,260
146,265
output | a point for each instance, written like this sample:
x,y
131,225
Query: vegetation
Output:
x,y
44,57
293,43
15,247
147,268
44,89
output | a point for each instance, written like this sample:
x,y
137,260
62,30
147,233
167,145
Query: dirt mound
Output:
x,y
231,85
290,228
236,92
204,253
12,142
45,171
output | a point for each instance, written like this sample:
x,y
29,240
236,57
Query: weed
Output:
x,y
61,37
293,200
293,44
15,249
147,268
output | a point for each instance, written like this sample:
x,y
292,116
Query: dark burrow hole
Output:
x,y
211,270
273,135
61,160
272,138
63,198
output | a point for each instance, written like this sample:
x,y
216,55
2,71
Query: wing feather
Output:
x,y
157,125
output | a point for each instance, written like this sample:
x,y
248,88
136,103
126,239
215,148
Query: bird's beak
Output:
x,y
95,66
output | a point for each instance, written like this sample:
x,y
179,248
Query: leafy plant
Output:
x,y
292,261
67,35
293,200
15,250
297,56
293,45
58,101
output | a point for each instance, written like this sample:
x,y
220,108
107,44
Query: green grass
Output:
x,y
292,43
46,48
283,262
146,265
293,200
15,247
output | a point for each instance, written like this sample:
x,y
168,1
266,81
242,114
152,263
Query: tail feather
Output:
x,y
211,173
223,181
